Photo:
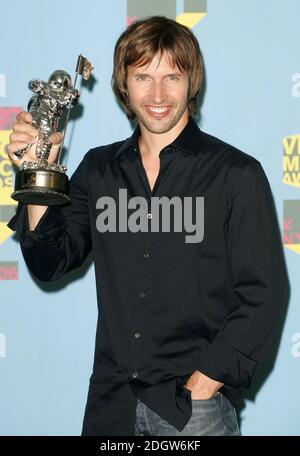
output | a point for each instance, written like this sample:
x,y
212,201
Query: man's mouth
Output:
x,y
158,111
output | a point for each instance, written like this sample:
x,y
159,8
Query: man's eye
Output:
x,y
173,78
141,78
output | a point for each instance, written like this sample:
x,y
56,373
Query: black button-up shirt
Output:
x,y
168,307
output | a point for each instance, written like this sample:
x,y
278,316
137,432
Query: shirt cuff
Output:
x,y
49,228
223,363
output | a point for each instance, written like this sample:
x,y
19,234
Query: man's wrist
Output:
x,y
201,386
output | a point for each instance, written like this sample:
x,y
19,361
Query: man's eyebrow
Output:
x,y
169,74
140,74
174,74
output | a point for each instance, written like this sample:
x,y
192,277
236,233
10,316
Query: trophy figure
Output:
x,y
41,182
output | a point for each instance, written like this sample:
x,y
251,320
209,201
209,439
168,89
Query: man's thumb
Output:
x,y
56,138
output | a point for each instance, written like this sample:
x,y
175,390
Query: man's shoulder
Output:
x,y
104,152
242,170
225,151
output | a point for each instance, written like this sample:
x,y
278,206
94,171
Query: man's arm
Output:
x,y
35,214
53,239
61,239
259,285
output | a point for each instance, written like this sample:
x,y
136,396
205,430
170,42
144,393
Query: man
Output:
x,y
184,319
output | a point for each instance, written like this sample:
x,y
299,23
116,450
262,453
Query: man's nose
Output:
x,y
158,92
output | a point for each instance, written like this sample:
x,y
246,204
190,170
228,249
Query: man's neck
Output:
x,y
152,143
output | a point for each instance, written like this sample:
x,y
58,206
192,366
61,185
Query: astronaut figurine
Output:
x,y
47,106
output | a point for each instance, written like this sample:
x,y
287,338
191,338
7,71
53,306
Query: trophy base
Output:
x,y
41,187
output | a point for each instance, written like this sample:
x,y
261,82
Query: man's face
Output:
x,y
158,94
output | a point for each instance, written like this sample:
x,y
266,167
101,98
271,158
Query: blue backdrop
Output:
x,y
47,331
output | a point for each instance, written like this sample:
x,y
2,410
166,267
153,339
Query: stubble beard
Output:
x,y
159,126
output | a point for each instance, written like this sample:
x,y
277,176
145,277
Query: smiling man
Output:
x,y
158,94
183,325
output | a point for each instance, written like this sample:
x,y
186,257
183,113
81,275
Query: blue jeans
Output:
x,y
215,416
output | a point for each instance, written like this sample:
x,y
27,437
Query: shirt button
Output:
x,y
146,254
142,294
137,335
149,216
135,374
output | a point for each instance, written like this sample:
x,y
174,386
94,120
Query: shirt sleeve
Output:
x,y
259,282
61,240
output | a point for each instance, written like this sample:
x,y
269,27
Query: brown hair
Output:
x,y
142,40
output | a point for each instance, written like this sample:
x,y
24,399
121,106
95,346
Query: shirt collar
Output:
x,y
188,140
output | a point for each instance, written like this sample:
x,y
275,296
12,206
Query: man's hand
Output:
x,y
23,134
201,386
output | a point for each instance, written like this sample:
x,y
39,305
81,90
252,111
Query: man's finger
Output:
x,y
24,137
24,116
16,146
24,128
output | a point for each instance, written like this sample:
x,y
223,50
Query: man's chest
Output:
x,y
151,169
178,198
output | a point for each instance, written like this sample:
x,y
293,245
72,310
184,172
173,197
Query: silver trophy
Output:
x,y
41,182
